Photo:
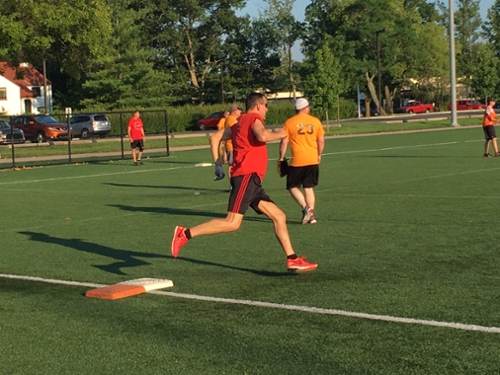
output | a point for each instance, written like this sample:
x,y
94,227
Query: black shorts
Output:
x,y
246,192
489,132
137,144
306,176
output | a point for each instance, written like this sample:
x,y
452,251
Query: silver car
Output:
x,y
10,135
84,126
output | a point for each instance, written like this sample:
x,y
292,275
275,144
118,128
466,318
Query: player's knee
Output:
x,y
233,226
280,217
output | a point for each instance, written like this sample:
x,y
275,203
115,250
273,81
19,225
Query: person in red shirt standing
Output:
x,y
489,121
136,136
249,138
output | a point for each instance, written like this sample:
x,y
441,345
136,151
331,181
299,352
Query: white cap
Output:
x,y
301,103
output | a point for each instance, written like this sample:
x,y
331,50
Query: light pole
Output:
x,y
453,81
378,72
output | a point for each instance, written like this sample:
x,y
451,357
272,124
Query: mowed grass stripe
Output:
x,y
313,310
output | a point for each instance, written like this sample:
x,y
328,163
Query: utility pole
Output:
x,y
453,79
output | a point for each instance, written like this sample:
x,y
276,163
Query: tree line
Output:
x,y
125,54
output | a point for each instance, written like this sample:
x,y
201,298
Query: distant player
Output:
x,y
232,119
249,167
136,137
219,172
305,135
489,121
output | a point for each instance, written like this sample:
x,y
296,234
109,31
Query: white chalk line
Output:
x,y
192,166
93,175
306,309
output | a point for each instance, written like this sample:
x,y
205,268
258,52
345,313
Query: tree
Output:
x,y
405,54
491,28
70,33
468,23
124,77
187,36
485,73
325,83
285,32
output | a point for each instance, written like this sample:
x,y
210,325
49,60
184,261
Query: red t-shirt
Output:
x,y
135,125
249,154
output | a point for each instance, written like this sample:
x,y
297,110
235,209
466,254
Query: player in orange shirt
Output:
x,y
489,121
305,134
219,172
232,119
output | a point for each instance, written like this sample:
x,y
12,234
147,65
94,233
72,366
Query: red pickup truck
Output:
x,y
415,107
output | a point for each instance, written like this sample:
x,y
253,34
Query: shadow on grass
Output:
x,y
222,190
256,272
124,258
185,211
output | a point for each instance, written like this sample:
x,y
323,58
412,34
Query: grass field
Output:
x,y
81,150
407,283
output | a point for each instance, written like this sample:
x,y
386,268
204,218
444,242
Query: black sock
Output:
x,y
293,256
188,234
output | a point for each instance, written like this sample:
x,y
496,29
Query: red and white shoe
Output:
x,y
299,265
312,220
178,241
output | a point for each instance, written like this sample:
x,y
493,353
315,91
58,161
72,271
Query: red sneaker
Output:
x,y
306,215
312,220
178,241
299,265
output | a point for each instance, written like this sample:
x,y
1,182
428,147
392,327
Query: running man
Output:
x,y
249,137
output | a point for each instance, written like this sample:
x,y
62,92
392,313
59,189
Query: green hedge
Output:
x,y
184,118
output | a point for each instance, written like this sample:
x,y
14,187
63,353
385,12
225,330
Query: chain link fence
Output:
x,y
96,148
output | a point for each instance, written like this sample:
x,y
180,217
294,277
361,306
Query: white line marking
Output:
x,y
313,310
93,175
183,167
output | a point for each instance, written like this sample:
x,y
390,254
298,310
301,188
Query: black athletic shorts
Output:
x,y
137,144
489,132
246,191
306,176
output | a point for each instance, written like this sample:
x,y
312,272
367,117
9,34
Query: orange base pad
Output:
x,y
115,291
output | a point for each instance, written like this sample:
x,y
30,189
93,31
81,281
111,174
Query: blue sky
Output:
x,y
254,6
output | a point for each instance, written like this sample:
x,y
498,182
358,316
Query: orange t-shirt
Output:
x,y
303,132
490,117
220,124
230,121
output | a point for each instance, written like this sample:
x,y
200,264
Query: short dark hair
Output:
x,y
253,99
491,100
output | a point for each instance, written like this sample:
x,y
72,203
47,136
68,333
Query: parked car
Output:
x,y
373,111
40,128
415,107
463,105
84,125
9,134
210,122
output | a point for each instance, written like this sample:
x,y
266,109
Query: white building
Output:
x,y
22,90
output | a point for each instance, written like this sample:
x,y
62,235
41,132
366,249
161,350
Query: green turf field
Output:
x,y
406,234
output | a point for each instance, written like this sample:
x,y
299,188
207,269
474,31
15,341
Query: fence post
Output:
x,y
166,132
68,115
121,135
12,147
